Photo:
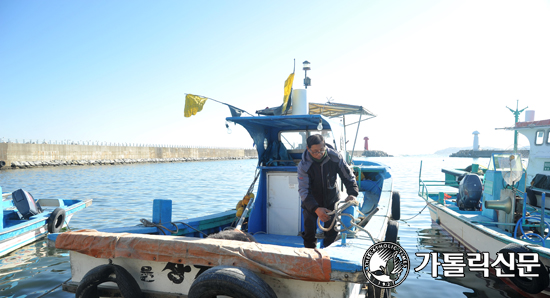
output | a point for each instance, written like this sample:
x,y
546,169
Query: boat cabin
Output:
x,y
276,217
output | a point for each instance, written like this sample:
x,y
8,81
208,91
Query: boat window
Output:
x,y
295,141
506,162
539,138
327,135
548,137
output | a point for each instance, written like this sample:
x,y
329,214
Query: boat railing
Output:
x,y
424,184
6,196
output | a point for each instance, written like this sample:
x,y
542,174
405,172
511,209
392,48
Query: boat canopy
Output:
x,y
265,130
332,110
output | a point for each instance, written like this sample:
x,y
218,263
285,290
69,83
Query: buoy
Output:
x,y
240,212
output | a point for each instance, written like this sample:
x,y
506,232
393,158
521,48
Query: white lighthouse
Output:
x,y
476,140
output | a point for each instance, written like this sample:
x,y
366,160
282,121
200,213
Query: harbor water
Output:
x,y
123,194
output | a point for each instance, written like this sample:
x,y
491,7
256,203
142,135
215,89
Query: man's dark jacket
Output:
x,y
317,183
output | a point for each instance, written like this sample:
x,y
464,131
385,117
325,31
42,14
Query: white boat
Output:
x,y
502,218
184,263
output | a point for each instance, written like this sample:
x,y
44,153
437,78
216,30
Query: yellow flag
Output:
x,y
288,89
193,104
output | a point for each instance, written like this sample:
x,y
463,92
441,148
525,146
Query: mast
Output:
x,y
516,114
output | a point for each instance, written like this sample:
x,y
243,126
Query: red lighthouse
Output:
x,y
366,143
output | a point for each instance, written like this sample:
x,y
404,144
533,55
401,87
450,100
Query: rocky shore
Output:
x,y
57,163
376,153
487,153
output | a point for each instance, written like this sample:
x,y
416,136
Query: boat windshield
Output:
x,y
505,162
295,140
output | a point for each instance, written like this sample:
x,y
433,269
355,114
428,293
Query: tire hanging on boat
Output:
x,y
396,205
230,281
127,285
56,220
376,292
391,231
531,285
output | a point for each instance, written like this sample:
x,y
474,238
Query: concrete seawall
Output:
x,y
17,155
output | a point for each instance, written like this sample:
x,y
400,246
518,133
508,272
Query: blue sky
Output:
x,y
118,71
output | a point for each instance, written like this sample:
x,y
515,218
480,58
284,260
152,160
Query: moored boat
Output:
x,y
501,209
178,258
19,226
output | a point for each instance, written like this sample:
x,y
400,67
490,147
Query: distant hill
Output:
x,y
451,150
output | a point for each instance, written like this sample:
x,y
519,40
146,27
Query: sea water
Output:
x,y
124,194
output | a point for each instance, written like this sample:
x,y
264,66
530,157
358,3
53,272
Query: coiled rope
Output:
x,y
338,213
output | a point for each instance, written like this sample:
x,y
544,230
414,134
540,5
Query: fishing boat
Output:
x,y
19,226
178,258
501,209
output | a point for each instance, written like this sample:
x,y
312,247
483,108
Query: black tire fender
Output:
x,y
532,285
391,231
395,205
230,281
56,220
127,285
376,292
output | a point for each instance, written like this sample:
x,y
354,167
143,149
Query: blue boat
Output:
x,y
167,257
17,230
501,209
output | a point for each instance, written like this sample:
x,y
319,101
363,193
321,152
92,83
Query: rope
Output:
x,y
337,214
147,223
405,220
68,228
162,228
337,218
53,288
176,222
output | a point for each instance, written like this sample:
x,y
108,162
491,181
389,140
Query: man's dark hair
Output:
x,y
315,140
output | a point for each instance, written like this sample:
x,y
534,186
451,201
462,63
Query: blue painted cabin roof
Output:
x,y
268,127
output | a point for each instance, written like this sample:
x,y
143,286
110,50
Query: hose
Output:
x,y
337,218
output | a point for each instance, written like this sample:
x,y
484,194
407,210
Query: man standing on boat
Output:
x,y
318,187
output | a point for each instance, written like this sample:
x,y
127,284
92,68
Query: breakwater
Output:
x,y
369,153
487,153
25,155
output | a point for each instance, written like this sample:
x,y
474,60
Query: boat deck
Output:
x,y
290,241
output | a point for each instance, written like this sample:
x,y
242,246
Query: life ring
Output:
x,y
230,281
108,273
531,285
396,205
391,231
56,220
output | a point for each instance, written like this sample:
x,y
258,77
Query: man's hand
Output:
x,y
322,213
350,198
